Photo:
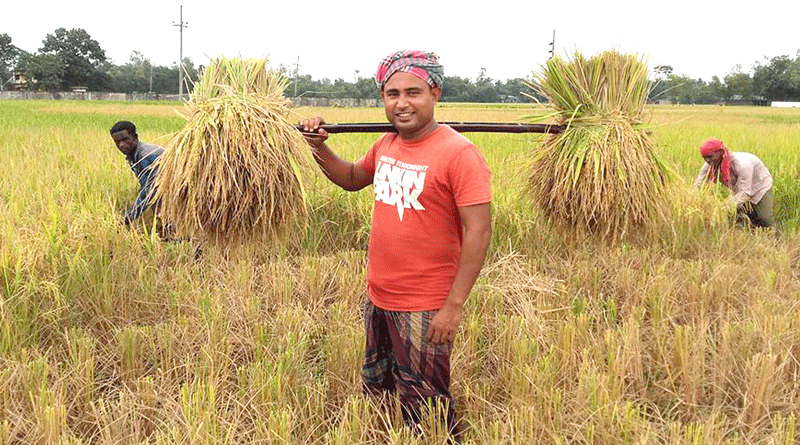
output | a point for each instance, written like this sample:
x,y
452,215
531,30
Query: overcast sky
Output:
x,y
699,38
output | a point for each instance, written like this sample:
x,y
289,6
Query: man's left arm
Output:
x,y
477,221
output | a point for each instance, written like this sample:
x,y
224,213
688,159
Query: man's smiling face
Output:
x,y
409,103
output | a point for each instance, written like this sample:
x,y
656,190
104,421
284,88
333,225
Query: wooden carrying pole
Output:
x,y
461,127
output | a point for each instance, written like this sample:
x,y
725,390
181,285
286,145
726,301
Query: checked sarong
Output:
x,y
400,360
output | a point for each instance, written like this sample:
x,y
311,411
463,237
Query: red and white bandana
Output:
x,y
422,64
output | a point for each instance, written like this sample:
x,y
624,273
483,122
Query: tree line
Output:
x,y
456,88
71,58
775,79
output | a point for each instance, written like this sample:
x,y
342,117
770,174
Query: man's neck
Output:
x,y
132,156
423,133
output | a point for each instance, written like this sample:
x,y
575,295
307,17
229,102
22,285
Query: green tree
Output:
x,y
81,56
716,88
793,72
662,71
136,76
43,71
486,93
661,82
8,58
706,93
366,88
164,80
738,84
133,76
485,89
190,75
772,80
517,90
300,85
458,89
684,90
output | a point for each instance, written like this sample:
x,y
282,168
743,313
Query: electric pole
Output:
x,y
296,71
182,25
553,45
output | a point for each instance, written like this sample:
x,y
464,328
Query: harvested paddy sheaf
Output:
x,y
601,175
233,174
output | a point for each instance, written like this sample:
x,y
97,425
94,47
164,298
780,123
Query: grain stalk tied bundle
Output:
x,y
601,174
233,174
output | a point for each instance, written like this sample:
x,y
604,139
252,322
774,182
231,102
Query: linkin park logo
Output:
x,y
399,184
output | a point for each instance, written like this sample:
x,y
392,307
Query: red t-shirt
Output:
x,y
415,242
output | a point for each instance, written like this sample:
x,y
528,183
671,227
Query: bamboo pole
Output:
x,y
461,127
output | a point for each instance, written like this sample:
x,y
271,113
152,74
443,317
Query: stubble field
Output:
x,y
109,335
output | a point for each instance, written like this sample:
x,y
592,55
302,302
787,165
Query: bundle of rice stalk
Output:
x,y
233,174
601,175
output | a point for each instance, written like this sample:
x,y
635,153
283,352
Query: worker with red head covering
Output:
x,y
745,175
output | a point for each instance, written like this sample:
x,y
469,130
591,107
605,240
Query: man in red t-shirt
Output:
x,y
431,228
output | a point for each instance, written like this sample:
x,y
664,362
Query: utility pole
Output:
x,y
296,73
182,25
553,45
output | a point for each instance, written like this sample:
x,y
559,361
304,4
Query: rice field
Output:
x,y
109,335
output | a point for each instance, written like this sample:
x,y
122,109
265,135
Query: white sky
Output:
x,y
699,38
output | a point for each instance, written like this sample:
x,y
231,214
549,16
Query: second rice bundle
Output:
x,y
233,174
601,175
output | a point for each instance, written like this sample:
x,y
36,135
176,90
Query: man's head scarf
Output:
x,y
706,149
422,64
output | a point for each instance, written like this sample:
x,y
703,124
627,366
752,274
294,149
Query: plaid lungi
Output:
x,y
399,359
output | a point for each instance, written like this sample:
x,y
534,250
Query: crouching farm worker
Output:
x,y
745,175
431,227
140,157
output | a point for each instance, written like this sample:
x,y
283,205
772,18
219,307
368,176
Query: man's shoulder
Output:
x,y
743,155
745,159
458,146
385,139
448,143
452,136
146,150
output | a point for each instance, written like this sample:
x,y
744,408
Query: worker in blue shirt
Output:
x,y
141,157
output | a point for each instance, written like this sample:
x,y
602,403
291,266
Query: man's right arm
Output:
x,y
347,175
146,183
